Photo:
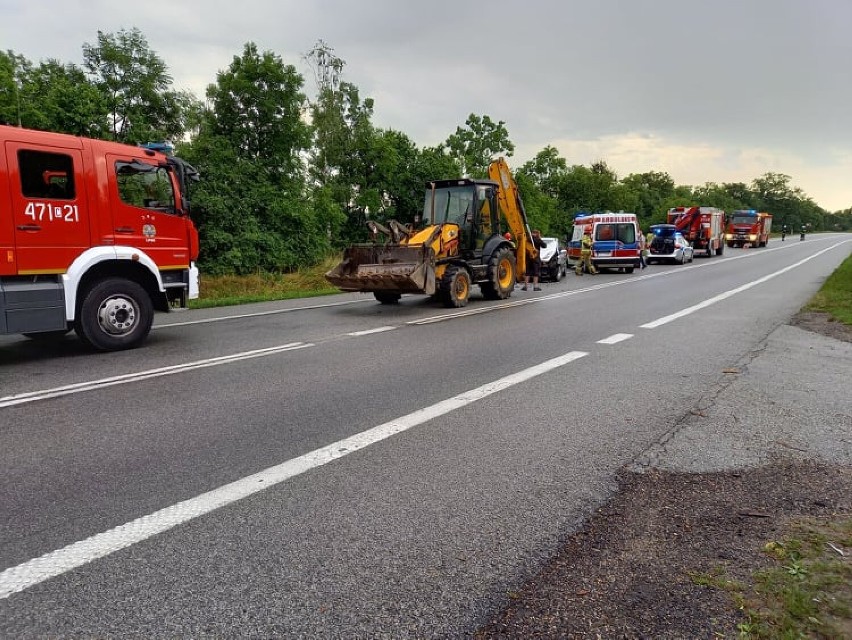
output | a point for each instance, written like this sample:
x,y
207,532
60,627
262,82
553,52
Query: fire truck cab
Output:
x,y
748,227
94,236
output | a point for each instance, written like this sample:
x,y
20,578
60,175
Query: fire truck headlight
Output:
x,y
752,237
729,236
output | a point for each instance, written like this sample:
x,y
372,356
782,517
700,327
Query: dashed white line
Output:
x,y
367,332
616,338
54,563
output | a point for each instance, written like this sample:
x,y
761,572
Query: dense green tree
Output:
x,y
349,158
137,87
50,96
255,210
479,142
67,101
546,169
650,190
789,205
13,69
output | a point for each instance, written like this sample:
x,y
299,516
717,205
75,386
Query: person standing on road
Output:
x,y
641,242
534,266
586,253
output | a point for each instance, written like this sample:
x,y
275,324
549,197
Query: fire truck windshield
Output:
x,y
744,219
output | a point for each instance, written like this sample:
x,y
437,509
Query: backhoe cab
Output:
x,y
456,243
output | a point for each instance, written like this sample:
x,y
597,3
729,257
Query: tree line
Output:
x,y
289,179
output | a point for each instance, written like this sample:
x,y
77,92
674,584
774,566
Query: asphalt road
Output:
x,y
339,468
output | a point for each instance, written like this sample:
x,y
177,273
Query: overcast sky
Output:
x,y
707,91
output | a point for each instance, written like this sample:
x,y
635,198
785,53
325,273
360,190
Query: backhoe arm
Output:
x,y
513,209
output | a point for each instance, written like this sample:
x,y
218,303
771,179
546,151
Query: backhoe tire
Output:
x,y
386,297
501,275
114,314
455,287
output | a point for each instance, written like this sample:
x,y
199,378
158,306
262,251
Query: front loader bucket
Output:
x,y
390,268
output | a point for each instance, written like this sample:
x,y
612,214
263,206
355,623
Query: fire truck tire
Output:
x,y
455,287
48,336
501,275
114,314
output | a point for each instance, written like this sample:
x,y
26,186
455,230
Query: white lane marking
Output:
x,y
79,387
258,314
515,303
367,332
727,294
54,563
564,294
616,338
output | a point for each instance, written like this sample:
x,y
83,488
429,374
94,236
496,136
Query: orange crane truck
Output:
x,y
703,227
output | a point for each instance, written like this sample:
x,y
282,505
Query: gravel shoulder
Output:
x,y
770,446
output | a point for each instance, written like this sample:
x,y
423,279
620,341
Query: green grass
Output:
x,y
221,291
807,593
835,296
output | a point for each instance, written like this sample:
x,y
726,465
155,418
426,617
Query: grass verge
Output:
x,y
221,291
835,296
807,590
807,593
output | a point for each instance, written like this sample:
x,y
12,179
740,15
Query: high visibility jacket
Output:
x,y
586,245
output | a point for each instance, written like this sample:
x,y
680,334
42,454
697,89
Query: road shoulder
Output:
x,y
769,445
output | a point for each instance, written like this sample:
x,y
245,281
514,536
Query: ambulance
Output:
x,y
615,237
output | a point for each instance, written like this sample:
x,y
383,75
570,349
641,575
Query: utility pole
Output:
x,y
18,96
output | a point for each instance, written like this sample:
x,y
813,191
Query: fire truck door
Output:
x,y
142,201
49,207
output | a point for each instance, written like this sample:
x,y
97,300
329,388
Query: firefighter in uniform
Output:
x,y
586,254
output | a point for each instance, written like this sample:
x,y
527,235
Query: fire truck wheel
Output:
x,y
115,314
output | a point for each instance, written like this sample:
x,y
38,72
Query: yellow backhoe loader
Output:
x,y
457,243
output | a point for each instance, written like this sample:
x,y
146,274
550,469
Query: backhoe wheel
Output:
x,y
386,297
455,287
114,314
501,275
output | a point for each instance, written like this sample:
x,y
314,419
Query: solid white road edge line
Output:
x,y
727,294
54,563
78,387
257,314
616,338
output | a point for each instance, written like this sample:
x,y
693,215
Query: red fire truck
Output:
x,y
703,227
94,236
748,227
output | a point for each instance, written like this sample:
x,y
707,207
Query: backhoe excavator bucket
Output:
x,y
390,268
